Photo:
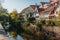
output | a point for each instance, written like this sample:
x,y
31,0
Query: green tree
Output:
x,y
31,20
14,15
58,19
4,21
14,22
3,17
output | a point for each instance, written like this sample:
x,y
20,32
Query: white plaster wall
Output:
x,y
57,10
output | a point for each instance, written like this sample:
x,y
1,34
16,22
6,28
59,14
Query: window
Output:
x,y
37,16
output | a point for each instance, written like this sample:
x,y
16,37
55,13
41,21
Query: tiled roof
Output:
x,y
52,14
33,7
49,8
54,2
39,9
42,10
45,2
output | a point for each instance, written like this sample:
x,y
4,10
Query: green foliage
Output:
x,y
4,21
21,18
14,22
39,24
58,23
13,34
14,15
43,22
31,19
51,22
16,27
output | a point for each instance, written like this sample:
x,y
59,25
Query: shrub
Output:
x,y
51,22
13,34
31,19
43,22
58,23
39,24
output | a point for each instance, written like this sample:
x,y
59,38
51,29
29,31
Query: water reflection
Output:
x,y
18,38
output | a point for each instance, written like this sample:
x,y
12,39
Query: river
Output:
x,y
18,38
6,36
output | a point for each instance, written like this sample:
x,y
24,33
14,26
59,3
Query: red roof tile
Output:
x,y
52,14
42,10
49,9
45,2
33,7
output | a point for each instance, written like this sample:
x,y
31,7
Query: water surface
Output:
x,y
18,38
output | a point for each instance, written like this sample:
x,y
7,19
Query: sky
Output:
x,y
19,5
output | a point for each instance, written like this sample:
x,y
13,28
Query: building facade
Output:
x,y
45,10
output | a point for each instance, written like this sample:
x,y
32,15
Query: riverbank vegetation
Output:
x,y
31,29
